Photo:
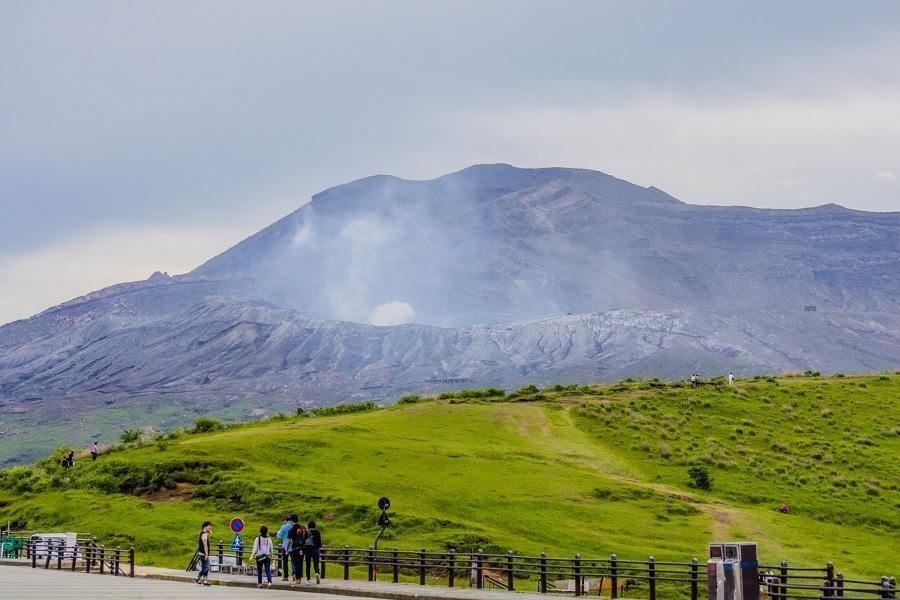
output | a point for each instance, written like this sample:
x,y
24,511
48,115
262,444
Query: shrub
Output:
x,y
409,399
700,477
130,435
343,409
205,424
525,390
811,373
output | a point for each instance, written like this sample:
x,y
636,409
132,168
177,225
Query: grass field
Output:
x,y
594,470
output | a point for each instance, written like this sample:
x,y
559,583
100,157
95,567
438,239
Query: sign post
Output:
x,y
237,526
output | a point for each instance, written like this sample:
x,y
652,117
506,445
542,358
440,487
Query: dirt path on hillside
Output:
x,y
725,519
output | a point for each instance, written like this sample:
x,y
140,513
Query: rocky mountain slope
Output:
x,y
493,276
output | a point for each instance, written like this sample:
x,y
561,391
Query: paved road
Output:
x,y
21,583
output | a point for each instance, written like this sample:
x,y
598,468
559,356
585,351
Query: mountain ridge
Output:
x,y
492,275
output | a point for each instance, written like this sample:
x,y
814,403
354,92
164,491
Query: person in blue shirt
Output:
x,y
283,535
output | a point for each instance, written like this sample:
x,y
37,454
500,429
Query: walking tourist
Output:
x,y
283,532
262,552
311,550
730,378
95,450
203,553
297,537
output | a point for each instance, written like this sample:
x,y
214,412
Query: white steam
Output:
x,y
392,313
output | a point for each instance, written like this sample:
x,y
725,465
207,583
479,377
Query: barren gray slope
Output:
x,y
231,347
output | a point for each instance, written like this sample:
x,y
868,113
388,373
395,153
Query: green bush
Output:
x,y
410,399
344,409
205,424
700,477
524,391
130,435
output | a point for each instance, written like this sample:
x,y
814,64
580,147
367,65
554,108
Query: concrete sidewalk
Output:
x,y
331,587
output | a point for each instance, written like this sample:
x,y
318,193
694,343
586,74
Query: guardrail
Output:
x,y
579,576
783,582
88,556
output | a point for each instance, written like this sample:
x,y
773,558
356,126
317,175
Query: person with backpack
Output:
x,y
311,550
283,535
263,549
203,553
296,539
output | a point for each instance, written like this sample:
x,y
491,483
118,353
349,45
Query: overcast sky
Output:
x,y
142,136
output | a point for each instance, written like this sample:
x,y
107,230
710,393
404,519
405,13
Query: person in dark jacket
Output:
x,y
295,546
311,550
203,552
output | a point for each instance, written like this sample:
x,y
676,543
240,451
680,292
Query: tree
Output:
x,y
700,477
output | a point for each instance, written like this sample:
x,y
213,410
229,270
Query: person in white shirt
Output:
x,y
731,379
263,549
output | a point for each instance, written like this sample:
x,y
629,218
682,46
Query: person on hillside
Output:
x,y
95,451
730,378
283,532
263,549
203,553
296,538
311,550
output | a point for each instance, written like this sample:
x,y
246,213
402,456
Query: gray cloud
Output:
x,y
222,116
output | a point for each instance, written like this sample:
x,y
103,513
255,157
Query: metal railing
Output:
x,y
580,576
84,556
783,582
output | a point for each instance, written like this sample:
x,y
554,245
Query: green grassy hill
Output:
x,y
594,470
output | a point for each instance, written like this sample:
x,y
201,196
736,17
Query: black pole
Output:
x,y
695,573
651,573
371,561
451,566
479,570
543,586
422,566
395,565
131,562
509,571
346,562
613,577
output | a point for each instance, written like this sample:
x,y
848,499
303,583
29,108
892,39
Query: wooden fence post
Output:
x,y
60,550
422,566
74,555
131,562
322,561
451,567
695,572
651,573
577,572
543,584
783,579
116,563
102,558
31,543
371,561
613,576
479,569
510,584
395,565
221,549
839,584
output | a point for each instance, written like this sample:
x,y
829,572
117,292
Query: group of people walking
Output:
x,y
299,544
